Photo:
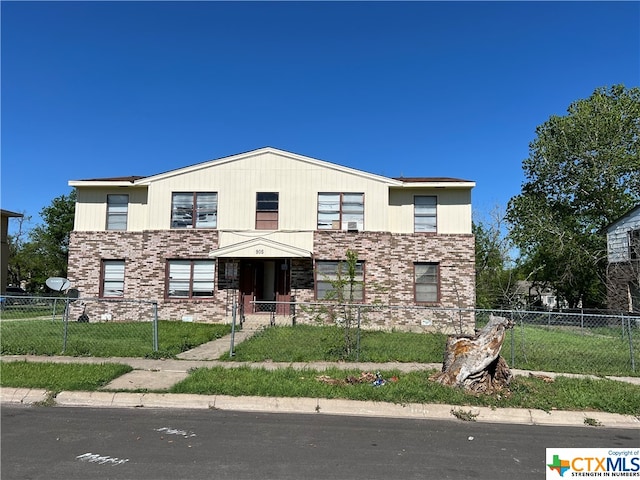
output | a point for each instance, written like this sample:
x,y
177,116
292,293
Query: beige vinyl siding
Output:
x,y
387,205
91,208
297,183
453,209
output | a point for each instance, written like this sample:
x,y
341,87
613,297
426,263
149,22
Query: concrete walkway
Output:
x,y
151,375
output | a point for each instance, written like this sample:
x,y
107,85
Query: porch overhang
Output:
x,y
260,248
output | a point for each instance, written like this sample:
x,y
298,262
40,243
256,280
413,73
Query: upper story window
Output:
x,y
267,211
112,278
424,213
341,211
117,210
634,244
331,276
194,210
427,282
190,278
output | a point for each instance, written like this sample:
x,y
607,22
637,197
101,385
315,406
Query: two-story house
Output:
x,y
623,268
270,225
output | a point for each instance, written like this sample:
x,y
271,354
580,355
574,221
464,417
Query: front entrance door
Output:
x,y
265,281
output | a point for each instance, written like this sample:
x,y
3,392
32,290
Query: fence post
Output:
x,y
233,327
631,352
66,324
358,336
513,347
292,306
155,326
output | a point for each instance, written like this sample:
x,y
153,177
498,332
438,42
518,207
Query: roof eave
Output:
x,y
460,184
102,183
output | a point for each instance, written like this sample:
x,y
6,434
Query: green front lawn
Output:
x,y
59,376
108,339
414,387
598,352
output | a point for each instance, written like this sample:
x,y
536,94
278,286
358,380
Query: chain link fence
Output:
x,y
78,327
606,343
569,342
603,343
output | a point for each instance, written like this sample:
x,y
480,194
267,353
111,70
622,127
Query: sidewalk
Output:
x,y
151,374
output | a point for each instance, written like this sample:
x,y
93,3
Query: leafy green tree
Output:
x,y
496,274
583,172
45,253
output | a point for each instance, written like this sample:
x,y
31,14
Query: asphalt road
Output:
x,y
85,443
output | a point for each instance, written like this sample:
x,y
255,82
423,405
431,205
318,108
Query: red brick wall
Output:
x,y
389,260
145,255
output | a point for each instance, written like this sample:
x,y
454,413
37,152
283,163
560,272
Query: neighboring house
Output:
x,y
623,269
270,225
4,254
531,295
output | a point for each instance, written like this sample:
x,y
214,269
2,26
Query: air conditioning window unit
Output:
x,y
352,226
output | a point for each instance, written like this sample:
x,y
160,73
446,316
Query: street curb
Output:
x,y
321,406
27,396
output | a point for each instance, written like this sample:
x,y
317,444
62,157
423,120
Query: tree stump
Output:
x,y
474,363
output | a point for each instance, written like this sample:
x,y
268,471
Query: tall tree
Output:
x,y
495,268
19,261
582,173
46,252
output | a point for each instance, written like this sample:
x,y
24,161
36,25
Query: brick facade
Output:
x,y
388,258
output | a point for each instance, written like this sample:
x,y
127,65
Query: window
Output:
x,y
427,282
194,210
112,284
117,208
340,211
190,278
331,275
634,244
267,211
424,213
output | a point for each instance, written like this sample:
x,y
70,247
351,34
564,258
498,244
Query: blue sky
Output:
x,y
99,89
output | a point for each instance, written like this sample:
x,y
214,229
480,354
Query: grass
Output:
x,y
558,349
59,376
534,348
400,388
414,387
108,339
308,343
598,352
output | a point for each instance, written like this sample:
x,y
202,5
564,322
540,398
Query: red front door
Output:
x,y
264,281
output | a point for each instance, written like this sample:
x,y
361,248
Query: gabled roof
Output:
x,y
397,182
261,151
271,248
629,213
